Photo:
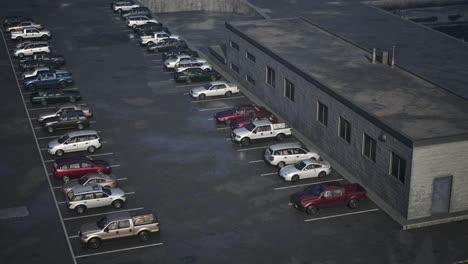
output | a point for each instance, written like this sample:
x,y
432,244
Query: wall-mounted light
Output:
x,y
383,138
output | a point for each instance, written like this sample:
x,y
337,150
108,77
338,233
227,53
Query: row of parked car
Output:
x,y
87,183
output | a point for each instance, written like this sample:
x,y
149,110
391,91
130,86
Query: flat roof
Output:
x,y
404,105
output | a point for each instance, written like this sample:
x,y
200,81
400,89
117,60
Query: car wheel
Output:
x,y
202,96
43,102
281,164
322,174
280,137
91,149
21,55
228,94
143,235
94,243
295,178
45,37
62,85
245,141
107,186
80,126
311,209
66,178
59,153
213,78
19,39
80,209
31,87
72,99
50,130
227,121
188,80
117,204
353,203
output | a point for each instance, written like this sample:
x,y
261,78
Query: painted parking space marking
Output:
x,y
41,108
218,99
122,179
129,193
119,250
114,166
188,85
267,174
340,215
223,128
73,237
91,215
101,154
208,118
216,108
156,60
255,161
57,187
305,184
246,149
48,137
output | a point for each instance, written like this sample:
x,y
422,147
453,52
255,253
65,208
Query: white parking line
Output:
x,y
219,99
119,250
129,193
216,108
188,85
91,215
186,93
37,127
102,154
72,253
157,66
27,101
33,118
334,216
73,237
92,122
156,60
305,184
245,149
209,118
41,108
267,174
223,128
62,202
113,166
122,179
57,187
227,139
255,161
43,149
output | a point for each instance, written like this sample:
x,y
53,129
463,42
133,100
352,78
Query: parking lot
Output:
x,y
216,201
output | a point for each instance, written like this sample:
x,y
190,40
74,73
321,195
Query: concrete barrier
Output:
x,y
230,6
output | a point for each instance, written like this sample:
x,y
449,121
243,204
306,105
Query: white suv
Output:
x,y
288,153
86,140
134,21
93,196
31,48
120,6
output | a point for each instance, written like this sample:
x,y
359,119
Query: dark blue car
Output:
x,y
49,79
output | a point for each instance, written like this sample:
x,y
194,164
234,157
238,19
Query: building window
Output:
x,y
250,79
322,114
398,167
270,77
250,56
289,89
234,67
234,45
345,130
369,147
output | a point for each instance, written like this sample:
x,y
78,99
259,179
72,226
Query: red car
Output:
x,y
326,194
262,115
236,112
75,167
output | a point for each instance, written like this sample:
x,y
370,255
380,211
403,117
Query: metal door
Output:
x,y
441,193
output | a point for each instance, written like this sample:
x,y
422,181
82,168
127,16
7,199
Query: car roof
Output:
x,y
217,82
285,146
86,189
82,133
61,71
38,42
97,175
72,159
262,123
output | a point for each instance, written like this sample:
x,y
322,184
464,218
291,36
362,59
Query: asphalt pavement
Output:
x,y
216,201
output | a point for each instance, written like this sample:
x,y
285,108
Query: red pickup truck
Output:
x,y
236,112
317,196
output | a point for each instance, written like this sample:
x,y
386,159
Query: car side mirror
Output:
x,y
255,131
323,197
106,230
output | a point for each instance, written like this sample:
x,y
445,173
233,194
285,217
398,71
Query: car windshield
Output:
x,y
83,180
316,190
207,87
248,117
300,165
250,127
106,190
102,223
70,195
63,139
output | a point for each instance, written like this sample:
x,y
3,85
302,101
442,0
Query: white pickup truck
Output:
x,y
30,33
214,89
260,130
156,37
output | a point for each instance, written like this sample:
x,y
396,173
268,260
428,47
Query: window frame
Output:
x,y
400,178
324,114
287,92
347,130
250,57
273,79
234,45
235,68
250,79
372,147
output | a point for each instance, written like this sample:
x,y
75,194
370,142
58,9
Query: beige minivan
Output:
x,y
288,153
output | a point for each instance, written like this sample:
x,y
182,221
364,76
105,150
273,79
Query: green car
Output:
x,y
54,96
196,75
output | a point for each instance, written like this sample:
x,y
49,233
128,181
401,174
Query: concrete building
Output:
x,y
403,137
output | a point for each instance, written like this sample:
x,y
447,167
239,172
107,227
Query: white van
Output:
x,y
75,141
288,153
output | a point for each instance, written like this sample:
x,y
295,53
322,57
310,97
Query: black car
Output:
x,y
149,27
166,44
69,119
178,51
12,20
43,56
30,65
137,11
196,75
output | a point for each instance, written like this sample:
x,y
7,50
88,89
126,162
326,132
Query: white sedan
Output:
x,y
214,89
305,169
134,21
